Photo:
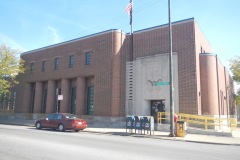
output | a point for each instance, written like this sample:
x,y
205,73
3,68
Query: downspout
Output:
x,y
226,90
218,85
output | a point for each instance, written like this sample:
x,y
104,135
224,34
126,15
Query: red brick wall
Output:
x,y
104,64
209,86
216,86
155,41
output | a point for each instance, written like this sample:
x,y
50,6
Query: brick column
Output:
x,y
64,105
80,100
51,96
116,77
38,97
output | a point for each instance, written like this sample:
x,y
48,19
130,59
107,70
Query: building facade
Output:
x,y
93,75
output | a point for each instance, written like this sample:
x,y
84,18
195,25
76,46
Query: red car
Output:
x,y
62,122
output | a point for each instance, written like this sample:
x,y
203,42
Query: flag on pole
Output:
x,y
129,8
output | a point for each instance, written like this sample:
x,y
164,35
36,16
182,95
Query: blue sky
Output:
x,y
32,24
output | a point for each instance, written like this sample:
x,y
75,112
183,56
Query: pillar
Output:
x,y
51,97
38,97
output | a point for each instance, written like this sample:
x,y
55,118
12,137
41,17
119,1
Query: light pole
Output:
x,y
171,73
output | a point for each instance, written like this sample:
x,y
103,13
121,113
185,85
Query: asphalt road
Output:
x,y
26,143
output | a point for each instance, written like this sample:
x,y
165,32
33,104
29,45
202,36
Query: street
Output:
x,y
27,143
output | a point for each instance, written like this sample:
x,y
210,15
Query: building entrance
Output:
x,y
157,106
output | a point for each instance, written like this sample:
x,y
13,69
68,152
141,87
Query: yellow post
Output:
x,y
206,125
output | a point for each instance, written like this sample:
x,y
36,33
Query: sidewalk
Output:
x,y
211,139
197,138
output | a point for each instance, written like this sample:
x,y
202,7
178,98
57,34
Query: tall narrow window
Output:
x,y
14,100
88,58
32,98
44,107
43,66
71,61
56,64
73,101
32,67
90,100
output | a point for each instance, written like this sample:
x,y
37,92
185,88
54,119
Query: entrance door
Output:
x,y
157,106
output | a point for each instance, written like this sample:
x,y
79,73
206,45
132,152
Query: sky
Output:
x,y
32,24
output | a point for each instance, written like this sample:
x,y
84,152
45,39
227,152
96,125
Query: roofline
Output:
x,y
165,25
207,54
104,32
73,40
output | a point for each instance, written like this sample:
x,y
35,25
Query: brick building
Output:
x,y
95,76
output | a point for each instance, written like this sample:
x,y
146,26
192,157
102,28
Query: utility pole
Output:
x,y
171,73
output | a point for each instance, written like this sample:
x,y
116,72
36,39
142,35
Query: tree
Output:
x,y
235,68
10,67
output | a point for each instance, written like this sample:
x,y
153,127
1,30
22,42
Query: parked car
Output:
x,y
61,122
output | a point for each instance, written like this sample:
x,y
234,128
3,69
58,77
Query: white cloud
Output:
x,y
56,37
10,42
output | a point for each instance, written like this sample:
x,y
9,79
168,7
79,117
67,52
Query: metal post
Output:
x,y
57,100
171,73
131,23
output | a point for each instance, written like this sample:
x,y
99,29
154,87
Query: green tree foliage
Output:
x,y
238,98
10,67
235,68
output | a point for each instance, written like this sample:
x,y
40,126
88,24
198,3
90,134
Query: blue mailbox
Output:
x,y
130,122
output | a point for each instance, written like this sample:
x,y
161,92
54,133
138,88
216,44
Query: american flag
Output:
x,y
129,7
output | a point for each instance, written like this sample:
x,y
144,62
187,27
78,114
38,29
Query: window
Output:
x,y
31,67
50,117
73,101
71,61
57,116
88,58
56,64
90,100
43,66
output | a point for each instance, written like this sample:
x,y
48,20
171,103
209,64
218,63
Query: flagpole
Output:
x,y
172,134
129,10
131,15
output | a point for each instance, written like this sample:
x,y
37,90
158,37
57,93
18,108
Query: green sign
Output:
x,y
162,83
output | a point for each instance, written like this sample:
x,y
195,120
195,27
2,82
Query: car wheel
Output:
x,y
76,130
61,127
38,125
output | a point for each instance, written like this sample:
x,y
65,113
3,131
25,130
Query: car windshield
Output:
x,y
70,116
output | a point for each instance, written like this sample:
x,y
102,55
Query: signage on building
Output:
x,y
162,83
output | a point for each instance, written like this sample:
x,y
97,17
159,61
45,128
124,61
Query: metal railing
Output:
x,y
205,122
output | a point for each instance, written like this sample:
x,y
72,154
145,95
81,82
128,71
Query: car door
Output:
x,y
56,120
47,122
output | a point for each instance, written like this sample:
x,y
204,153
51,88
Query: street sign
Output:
x,y
162,83
60,97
